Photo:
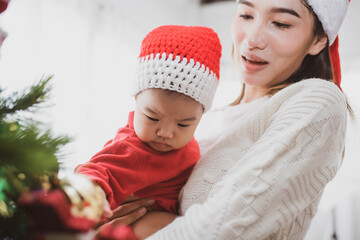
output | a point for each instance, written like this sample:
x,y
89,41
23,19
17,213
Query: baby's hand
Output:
x,y
87,198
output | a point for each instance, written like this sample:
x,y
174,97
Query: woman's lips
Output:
x,y
253,63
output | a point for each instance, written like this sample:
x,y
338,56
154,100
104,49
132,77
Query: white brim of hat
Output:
x,y
184,76
331,14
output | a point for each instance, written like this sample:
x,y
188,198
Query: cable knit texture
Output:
x,y
264,166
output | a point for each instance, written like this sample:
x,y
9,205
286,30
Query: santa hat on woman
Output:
x,y
184,59
331,14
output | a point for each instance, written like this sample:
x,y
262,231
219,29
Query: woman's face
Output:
x,y
271,39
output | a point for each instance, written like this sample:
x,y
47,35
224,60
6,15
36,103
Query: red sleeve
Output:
x,y
117,170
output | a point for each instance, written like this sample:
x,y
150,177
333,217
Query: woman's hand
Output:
x,y
126,213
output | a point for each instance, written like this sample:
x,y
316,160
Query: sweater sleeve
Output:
x,y
287,168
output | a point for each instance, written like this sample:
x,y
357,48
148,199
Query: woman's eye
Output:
x,y
152,119
182,125
281,25
245,16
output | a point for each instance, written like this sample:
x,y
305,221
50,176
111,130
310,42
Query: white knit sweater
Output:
x,y
264,166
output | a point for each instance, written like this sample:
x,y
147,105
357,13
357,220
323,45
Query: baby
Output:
x,y
153,155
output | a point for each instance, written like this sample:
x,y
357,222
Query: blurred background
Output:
x,y
91,48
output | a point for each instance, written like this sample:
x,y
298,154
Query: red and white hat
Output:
x,y
331,14
184,59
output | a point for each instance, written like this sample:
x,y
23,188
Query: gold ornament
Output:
x,y
87,198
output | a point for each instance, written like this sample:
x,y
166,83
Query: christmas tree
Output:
x,y
33,201
28,154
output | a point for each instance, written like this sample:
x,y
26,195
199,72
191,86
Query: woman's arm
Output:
x,y
275,187
151,223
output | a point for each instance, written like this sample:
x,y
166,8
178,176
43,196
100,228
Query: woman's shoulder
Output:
x,y
309,98
313,89
316,83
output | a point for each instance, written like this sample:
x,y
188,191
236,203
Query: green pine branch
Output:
x,y
25,100
33,151
29,152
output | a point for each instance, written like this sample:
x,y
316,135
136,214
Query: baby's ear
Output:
x,y
318,44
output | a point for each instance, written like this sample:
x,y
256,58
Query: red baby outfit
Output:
x,y
126,166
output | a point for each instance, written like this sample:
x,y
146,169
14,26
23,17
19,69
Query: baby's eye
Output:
x,y
182,125
281,25
152,119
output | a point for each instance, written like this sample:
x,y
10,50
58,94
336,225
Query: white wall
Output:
x,y
91,47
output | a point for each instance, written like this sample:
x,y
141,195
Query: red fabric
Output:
x,y
50,212
3,5
196,42
335,61
128,167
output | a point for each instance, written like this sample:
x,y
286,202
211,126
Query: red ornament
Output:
x,y
50,212
3,5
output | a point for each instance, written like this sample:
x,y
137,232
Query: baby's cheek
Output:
x,y
140,134
187,138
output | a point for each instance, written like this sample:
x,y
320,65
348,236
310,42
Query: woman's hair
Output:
x,y
313,66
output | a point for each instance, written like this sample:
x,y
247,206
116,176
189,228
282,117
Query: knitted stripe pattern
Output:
x,y
185,59
263,166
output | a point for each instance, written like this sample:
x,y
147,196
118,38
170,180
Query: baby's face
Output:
x,y
165,122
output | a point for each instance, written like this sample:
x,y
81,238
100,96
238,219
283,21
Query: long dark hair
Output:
x,y
314,66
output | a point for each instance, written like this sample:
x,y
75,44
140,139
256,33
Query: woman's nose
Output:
x,y
165,132
255,38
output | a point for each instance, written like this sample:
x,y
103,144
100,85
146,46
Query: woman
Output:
x,y
267,158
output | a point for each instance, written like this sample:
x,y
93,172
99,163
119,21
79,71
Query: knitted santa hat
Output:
x,y
185,59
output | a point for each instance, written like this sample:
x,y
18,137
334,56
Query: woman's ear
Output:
x,y
318,44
